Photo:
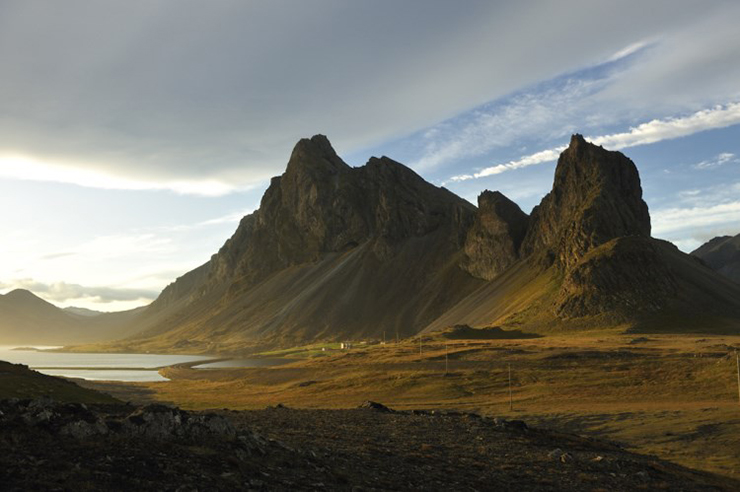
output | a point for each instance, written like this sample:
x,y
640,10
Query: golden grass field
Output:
x,y
675,396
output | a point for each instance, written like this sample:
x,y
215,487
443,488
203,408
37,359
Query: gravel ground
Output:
x,y
54,446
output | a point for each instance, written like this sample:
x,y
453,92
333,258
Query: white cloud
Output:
x,y
671,220
646,133
629,50
529,160
717,161
702,214
31,169
657,130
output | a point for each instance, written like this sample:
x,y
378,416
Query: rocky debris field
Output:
x,y
61,446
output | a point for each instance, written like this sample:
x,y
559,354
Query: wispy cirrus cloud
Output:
x,y
650,132
546,112
717,161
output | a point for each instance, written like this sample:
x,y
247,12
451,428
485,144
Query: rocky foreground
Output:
x,y
66,446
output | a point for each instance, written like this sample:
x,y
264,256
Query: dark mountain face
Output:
x,y
595,198
332,251
594,227
723,255
493,241
321,205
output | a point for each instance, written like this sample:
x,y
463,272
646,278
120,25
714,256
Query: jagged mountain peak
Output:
x,y
596,197
315,155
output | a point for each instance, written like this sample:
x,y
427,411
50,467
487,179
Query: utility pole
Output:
x,y
511,401
737,358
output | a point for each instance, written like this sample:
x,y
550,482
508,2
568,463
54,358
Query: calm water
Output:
x,y
111,367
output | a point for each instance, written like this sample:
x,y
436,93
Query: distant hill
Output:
x,y
82,311
336,252
723,255
27,319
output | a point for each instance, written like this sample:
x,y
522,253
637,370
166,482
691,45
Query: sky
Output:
x,y
135,134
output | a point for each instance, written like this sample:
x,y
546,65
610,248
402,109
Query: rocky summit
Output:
x,y
596,197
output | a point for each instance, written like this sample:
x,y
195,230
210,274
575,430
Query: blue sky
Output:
x,y
134,135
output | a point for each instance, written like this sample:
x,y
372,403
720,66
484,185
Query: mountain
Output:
x,y
332,252
336,252
723,255
588,261
28,319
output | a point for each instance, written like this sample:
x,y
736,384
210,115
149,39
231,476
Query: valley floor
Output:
x,y
671,396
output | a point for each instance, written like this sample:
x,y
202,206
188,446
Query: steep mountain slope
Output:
x,y
336,252
28,319
723,255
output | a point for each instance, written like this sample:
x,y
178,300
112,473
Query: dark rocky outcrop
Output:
x,y
596,197
321,205
493,241
594,227
723,255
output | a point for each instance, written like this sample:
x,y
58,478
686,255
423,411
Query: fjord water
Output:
x,y
111,367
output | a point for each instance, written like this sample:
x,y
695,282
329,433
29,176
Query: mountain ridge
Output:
x,y
336,252
723,255
25,318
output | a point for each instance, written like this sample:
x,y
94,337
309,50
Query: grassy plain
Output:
x,y
675,396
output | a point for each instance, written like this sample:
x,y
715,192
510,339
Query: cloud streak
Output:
x,y
717,161
650,132
31,169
